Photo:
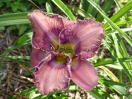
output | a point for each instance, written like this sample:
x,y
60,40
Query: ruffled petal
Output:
x,y
46,29
68,22
50,76
85,35
84,74
37,56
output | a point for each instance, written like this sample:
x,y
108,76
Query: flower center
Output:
x,y
60,58
65,49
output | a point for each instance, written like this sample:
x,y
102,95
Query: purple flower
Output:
x,y
60,48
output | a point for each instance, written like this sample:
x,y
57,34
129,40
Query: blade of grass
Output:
x,y
114,31
118,87
49,7
110,48
115,55
23,40
91,9
118,4
13,16
121,52
106,7
18,57
125,21
124,52
125,9
96,94
81,12
2,28
84,5
14,22
109,73
110,62
64,8
111,23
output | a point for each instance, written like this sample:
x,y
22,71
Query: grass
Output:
x,y
117,35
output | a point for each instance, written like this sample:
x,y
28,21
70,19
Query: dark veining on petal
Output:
x,y
49,67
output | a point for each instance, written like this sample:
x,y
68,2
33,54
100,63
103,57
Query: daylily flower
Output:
x,y
60,48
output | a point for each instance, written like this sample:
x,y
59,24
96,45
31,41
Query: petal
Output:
x,y
68,22
36,56
46,28
85,36
50,76
84,74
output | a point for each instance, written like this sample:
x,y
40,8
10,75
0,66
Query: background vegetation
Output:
x,y
113,60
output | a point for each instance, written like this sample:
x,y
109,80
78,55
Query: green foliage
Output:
x,y
23,40
64,8
117,34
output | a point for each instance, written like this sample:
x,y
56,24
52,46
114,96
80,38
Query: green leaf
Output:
x,y
22,28
115,31
18,57
33,93
91,9
124,21
13,18
104,61
64,8
112,24
1,4
2,28
13,7
81,12
23,40
125,9
49,7
110,62
84,5
106,7
96,94
14,22
27,64
118,87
